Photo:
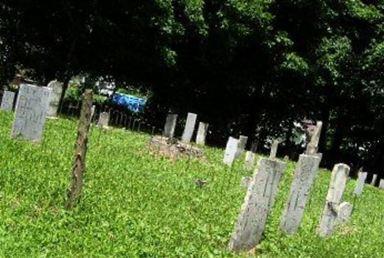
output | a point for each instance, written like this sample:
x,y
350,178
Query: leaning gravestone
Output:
x,y
334,211
305,174
7,101
360,183
103,119
230,151
257,204
374,178
31,111
242,143
249,162
189,127
202,133
315,138
170,125
57,89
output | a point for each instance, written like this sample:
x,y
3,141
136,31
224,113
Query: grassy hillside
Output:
x,y
138,204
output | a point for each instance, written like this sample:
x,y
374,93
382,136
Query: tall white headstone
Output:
x,y
31,111
202,133
360,183
242,144
230,151
189,127
257,204
57,89
249,162
305,174
170,125
374,178
7,101
335,211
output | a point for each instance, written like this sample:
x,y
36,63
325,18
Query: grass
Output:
x,y
136,204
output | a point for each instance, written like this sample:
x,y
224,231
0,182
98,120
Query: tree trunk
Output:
x,y
80,150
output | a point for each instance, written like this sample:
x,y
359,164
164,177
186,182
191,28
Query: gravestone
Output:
x,y
7,101
242,143
312,146
360,183
249,162
170,125
304,176
374,178
381,185
202,133
31,111
230,151
274,146
57,89
103,119
189,127
257,204
335,212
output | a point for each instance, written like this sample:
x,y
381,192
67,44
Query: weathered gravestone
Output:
x,y
274,146
103,119
57,89
305,174
257,204
381,185
170,125
335,212
7,101
360,183
249,162
374,178
31,111
315,138
242,143
230,151
93,109
189,127
202,133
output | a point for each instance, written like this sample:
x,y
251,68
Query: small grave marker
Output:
x,y
202,133
189,127
103,120
31,111
242,143
360,183
57,89
249,163
335,212
258,201
230,151
374,178
170,125
7,101
381,185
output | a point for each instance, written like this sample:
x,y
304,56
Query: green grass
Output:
x,y
137,204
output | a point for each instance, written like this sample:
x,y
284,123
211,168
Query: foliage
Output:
x,y
235,63
139,204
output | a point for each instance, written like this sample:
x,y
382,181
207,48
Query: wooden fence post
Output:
x,y
78,169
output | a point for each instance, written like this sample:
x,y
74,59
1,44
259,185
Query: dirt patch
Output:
x,y
174,149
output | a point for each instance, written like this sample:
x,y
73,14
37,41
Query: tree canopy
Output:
x,y
251,67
